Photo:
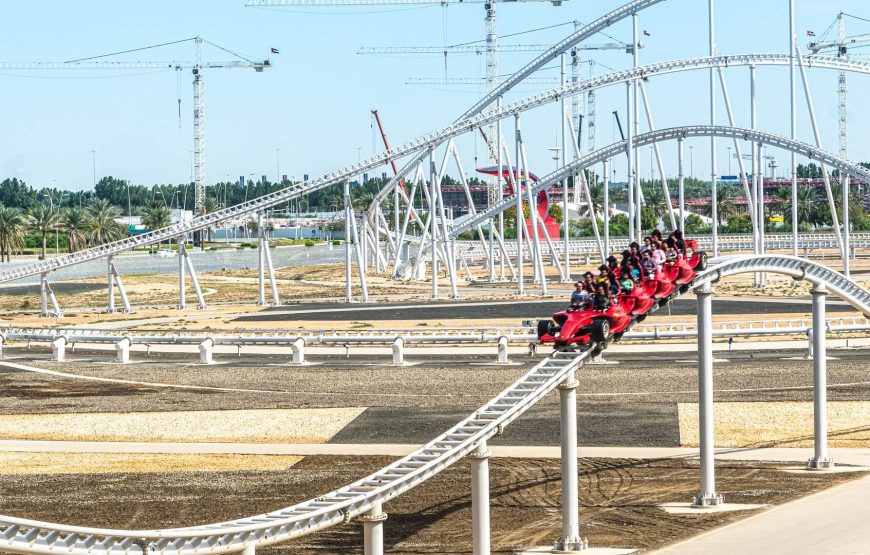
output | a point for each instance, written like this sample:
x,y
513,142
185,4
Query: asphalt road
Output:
x,y
477,310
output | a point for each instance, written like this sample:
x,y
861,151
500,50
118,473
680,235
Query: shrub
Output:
x,y
309,243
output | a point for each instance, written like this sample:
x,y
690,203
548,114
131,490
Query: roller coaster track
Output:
x,y
340,506
670,134
431,140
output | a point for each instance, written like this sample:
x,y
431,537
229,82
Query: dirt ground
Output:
x,y
618,500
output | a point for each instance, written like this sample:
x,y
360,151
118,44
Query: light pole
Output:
x,y
94,162
729,160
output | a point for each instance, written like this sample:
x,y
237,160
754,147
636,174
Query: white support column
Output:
x,y
757,168
58,349
566,219
110,285
43,295
193,279
122,350
635,108
846,238
373,530
2,342
793,106
570,540
518,194
682,185
298,350
433,225
273,282
261,260
121,290
707,496
399,351
348,291
250,549
762,277
480,528
821,460
206,349
629,151
503,356
606,209
714,186
182,286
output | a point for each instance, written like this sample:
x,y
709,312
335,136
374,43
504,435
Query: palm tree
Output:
x,y
806,204
156,216
209,205
102,224
74,222
725,209
656,200
12,226
42,219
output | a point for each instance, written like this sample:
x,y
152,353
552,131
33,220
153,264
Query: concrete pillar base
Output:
x,y
503,357
399,352
575,545
585,551
205,352
825,463
122,351
58,349
298,348
707,499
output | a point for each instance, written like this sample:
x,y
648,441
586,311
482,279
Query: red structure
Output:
x,y
543,204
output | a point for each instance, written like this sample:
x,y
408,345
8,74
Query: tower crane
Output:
x,y
196,68
490,40
841,47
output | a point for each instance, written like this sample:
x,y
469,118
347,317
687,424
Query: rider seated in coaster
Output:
x,y
612,262
603,270
601,299
648,264
647,241
627,284
680,243
589,282
658,256
580,297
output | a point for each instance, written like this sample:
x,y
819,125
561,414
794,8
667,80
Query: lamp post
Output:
x,y
692,161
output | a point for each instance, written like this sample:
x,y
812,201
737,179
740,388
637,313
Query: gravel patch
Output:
x,y
108,463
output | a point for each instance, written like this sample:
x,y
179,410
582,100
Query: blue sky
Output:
x,y
314,105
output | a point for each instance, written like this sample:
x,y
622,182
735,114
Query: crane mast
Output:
x,y
492,189
841,89
198,134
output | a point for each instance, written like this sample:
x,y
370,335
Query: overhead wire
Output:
x,y
128,51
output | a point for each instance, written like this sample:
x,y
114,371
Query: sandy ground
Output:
x,y
618,500
53,464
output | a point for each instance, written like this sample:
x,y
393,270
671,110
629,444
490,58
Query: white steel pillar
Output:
x,y
206,350
707,496
480,499
373,530
261,260
820,459
250,549
793,108
43,295
566,220
606,209
846,238
681,177
348,214
521,221
58,349
182,286
399,350
433,225
570,540
757,167
297,348
110,285
635,153
500,193
629,151
714,187
762,281
122,350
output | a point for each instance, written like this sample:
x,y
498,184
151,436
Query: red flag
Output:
x,y
275,50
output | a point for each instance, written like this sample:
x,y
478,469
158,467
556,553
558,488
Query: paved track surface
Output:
x,y
475,310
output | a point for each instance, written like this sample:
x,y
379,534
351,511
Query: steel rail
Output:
x,y
424,142
624,76
28,536
670,134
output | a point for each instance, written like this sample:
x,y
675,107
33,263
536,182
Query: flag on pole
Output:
x,y
810,33
275,51
646,33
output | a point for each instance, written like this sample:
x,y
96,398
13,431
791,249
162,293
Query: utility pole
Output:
x,y
94,160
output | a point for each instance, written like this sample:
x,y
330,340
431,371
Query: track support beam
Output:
x,y
570,540
707,496
480,528
373,530
820,460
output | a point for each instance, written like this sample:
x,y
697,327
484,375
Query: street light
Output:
x,y
729,160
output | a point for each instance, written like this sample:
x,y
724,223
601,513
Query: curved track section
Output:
x,y
671,134
797,268
27,536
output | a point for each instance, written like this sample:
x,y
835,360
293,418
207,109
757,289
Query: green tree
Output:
x,y
43,218
74,222
103,226
806,204
556,212
12,228
156,216
696,225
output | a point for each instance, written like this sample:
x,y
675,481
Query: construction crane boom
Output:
x,y
198,97
472,80
328,3
481,48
